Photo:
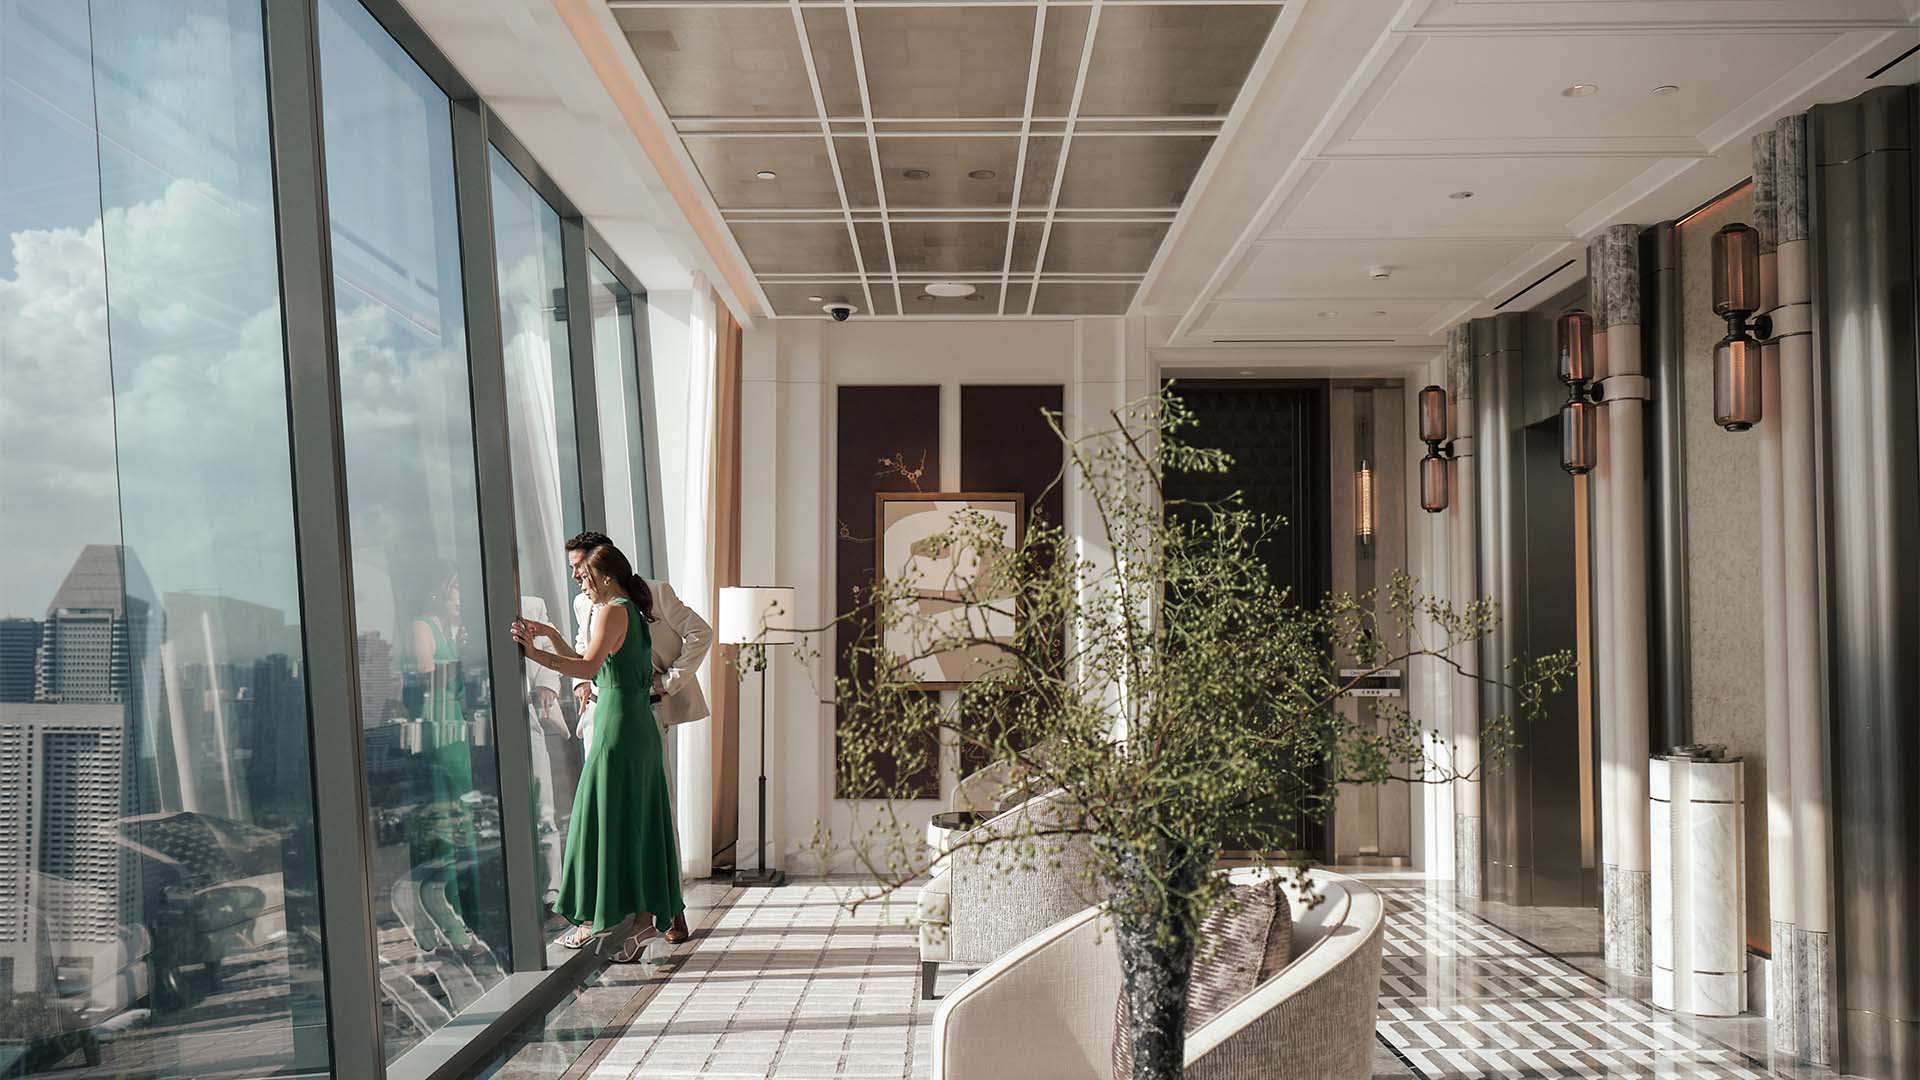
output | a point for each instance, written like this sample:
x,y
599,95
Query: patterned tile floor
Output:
x,y
790,983
1489,991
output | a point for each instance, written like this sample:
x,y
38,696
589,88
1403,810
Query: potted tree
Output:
x,y
1160,683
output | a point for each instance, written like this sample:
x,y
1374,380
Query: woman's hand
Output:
x,y
540,629
524,631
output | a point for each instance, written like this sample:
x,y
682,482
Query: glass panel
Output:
x,y
413,513
623,447
546,489
157,886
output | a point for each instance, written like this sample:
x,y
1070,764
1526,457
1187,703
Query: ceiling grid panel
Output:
x,y
1066,147
948,141
1020,158
826,136
873,154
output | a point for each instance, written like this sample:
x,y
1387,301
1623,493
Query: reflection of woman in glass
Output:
x,y
621,859
441,837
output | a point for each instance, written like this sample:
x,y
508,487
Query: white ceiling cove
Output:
x,y
1435,138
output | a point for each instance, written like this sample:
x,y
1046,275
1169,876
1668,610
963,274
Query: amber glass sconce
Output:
x,y
1577,452
1433,432
1736,296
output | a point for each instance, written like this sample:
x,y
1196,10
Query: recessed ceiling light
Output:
x,y
982,174
1379,314
1580,90
950,289
916,174
1246,371
1666,88
1329,314
816,299
1461,195
766,174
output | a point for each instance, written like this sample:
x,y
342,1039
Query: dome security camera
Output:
x,y
840,311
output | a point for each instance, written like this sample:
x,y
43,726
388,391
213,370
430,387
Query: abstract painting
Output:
x,y
955,586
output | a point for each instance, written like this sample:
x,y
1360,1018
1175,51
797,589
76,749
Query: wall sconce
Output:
x,y
1736,296
1433,432
1363,503
1577,454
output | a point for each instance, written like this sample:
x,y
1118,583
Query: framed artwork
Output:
x,y
948,578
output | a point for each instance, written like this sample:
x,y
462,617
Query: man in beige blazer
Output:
x,y
681,639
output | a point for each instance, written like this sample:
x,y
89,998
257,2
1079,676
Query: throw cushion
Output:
x,y
1238,951
1279,936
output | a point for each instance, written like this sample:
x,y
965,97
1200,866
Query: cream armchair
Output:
x,y
980,901
1045,1010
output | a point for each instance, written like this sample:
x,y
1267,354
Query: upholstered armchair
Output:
x,y
1045,1009
983,899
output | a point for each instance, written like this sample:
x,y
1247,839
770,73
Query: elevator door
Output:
x,y
1276,432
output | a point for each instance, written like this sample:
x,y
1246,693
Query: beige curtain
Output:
x,y
725,536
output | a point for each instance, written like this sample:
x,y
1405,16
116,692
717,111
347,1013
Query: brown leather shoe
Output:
x,y
677,932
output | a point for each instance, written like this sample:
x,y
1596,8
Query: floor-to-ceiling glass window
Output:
x,y
622,430
158,902
425,690
546,490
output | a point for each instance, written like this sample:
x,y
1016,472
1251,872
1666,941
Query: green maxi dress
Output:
x,y
621,857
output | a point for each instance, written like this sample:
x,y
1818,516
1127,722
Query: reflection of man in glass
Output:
x,y
547,727
443,844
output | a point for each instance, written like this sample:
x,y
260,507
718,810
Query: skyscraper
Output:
x,y
68,886
19,658
93,627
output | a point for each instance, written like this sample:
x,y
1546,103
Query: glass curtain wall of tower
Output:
x,y
619,361
546,491
162,912
157,848
413,509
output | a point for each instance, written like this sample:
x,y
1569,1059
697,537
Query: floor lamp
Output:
x,y
758,617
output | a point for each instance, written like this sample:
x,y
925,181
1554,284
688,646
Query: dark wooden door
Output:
x,y
1276,433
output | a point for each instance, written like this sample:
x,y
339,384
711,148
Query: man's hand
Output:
x,y
583,693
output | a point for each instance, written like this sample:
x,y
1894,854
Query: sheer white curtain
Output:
x,y
693,572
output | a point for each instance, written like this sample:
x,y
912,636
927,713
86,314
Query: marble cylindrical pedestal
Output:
x,y
1699,885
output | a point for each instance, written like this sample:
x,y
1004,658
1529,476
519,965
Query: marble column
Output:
x,y
1863,186
1625,874
1783,968
1468,849
1698,814
1799,851
1799,517
1600,501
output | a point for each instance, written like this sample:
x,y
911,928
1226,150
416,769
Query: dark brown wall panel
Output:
x,y
879,426
1007,445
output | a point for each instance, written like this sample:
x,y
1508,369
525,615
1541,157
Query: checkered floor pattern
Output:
x,y
789,983
1459,997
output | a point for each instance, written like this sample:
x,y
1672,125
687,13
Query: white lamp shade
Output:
x,y
756,615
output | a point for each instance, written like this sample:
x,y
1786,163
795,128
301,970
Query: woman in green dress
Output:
x,y
621,859
443,843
